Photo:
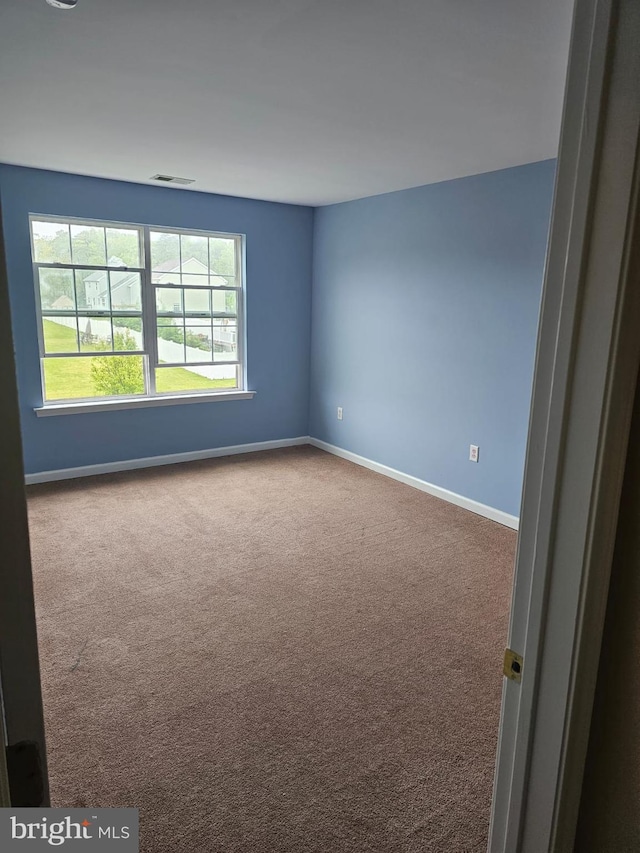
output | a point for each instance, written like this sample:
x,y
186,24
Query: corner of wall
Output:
x,y
314,214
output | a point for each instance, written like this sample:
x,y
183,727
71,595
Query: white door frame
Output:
x,y
586,368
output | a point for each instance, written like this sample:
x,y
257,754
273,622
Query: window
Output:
x,y
134,311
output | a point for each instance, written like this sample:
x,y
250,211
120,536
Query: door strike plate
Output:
x,y
513,664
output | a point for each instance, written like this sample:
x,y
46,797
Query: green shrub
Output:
x,y
176,334
115,375
134,323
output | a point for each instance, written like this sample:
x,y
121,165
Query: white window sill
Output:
x,y
138,403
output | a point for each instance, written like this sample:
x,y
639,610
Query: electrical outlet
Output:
x,y
474,453
339,413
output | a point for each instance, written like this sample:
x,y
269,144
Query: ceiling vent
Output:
x,y
171,179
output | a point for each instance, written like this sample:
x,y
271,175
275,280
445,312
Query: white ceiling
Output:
x,y
307,101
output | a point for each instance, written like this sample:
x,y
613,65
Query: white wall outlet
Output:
x,y
339,413
474,452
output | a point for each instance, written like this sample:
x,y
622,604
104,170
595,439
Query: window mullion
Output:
x,y
75,301
241,370
150,340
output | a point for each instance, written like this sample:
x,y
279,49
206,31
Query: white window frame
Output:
x,y
149,320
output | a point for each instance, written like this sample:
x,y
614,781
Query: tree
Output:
x,y
54,284
116,375
88,246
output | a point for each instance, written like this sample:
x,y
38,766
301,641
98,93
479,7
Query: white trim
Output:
x,y
148,314
153,461
140,403
409,480
232,450
585,377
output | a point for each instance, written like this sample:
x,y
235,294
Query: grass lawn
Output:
x,y
70,378
179,379
59,338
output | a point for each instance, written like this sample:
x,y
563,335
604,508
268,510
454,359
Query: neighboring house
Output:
x,y
125,288
63,303
192,272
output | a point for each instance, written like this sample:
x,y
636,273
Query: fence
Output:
x,y
168,351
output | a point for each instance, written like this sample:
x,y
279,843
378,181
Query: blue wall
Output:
x,y
422,313
424,317
279,247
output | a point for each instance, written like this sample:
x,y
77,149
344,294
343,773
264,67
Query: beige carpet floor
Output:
x,y
272,653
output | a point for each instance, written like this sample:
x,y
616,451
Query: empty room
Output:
x,y
274,275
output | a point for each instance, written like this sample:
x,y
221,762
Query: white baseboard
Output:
x,y
232,450
152,461
438,492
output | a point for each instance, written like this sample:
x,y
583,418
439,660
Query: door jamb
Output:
x,y
586,368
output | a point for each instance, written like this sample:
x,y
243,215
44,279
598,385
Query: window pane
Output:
x,y
225,342
131,324
60,334
126,291
195,253
224,281
167,277
67,378
103,376
168,300
51,242
96,311
192,278
176,379
56,290
95,334
123,247
171,344
197,301
126,340
87,245
225,302
117,376
165,251
198,342
222,255
92,290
